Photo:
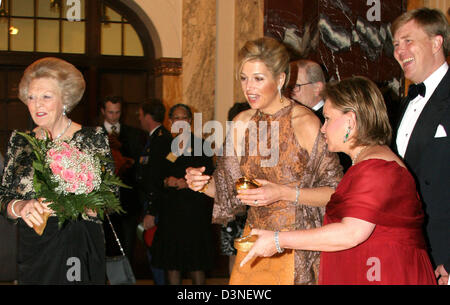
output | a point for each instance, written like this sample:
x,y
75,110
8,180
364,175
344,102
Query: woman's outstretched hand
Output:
x,y
264,245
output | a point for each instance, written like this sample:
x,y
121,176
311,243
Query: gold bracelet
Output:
x,y
12,208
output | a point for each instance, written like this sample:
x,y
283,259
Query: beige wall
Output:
x,y
205,35
443,5
164,21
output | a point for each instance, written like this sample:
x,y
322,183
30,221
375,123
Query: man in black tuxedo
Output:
x,y
421,44
126,142
307,91
152,166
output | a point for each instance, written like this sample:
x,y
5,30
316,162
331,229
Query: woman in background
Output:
x,y
183,241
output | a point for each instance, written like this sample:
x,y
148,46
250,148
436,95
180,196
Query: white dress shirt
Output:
x,y
318,105
415,108
108,127
153,130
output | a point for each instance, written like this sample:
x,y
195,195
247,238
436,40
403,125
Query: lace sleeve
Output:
x,y
226,205
94,140
17,180
101,146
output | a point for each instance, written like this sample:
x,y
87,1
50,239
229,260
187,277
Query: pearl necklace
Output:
x,y
64,131
357,155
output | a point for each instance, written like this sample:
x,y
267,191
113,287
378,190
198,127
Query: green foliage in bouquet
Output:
x,y
70,204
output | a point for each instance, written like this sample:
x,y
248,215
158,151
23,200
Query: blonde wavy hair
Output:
x,y
69,79
268,50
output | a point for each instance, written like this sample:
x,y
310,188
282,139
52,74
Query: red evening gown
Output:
x,y
383,193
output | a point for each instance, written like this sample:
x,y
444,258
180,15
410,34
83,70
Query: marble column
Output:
x,y
199,56
249,25
168,81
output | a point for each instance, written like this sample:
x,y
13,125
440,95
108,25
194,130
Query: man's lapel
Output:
x,y
426,125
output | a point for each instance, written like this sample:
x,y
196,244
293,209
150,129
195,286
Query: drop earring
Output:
x,y
64,110
347,134
281,97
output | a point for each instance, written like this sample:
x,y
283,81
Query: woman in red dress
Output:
x,y
372,230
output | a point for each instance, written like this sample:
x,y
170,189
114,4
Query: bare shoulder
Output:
x,y
306,126
304,120
244,116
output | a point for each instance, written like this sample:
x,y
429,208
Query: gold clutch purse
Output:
x,y
245,243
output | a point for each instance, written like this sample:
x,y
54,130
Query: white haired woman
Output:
x,y
74,253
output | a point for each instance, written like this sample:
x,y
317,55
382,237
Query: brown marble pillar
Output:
x,y
249,25
199,56
168,81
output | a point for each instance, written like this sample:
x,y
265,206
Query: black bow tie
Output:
x,y
415,90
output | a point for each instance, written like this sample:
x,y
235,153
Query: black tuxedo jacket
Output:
x,y
132,140
428,158
152,168
319,113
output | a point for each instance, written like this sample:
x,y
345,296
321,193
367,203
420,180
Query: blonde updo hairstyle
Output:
x,y
269,51
69,79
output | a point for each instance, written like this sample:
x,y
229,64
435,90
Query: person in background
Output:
x,y
421,45
51,88
308,86
297,176
126,143
152,168
372,230
183,241
307,91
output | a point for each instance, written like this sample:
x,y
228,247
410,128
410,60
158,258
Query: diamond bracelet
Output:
x,y
277,242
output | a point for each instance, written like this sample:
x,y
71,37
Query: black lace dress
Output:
x,y
73,254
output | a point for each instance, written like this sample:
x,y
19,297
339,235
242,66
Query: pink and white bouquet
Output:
x,y
73,181
73,170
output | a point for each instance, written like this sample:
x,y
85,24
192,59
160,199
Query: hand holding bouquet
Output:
x,y
72,181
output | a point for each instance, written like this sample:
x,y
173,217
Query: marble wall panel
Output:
x,y
347,37
199,55
249,25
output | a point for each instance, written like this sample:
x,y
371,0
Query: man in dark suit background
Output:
x,y
308,86
307,91
421,44
126,142
152,166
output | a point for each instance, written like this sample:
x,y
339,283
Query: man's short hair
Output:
x,y
155,108
313,70
433,22
113,99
